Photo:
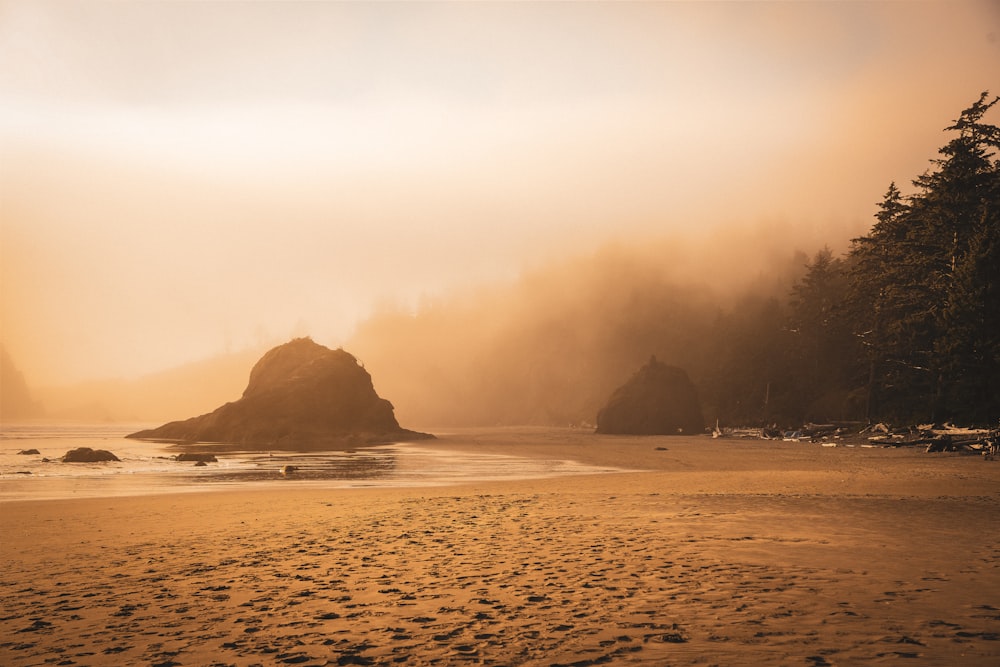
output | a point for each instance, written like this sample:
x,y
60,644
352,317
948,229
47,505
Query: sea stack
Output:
x,y
657,400
301,396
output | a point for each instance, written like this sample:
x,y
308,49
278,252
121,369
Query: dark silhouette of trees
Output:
x,y
879,304
824,350
905,327
924,285
750,381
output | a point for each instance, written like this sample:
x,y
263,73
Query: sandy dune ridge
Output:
x,y
725,553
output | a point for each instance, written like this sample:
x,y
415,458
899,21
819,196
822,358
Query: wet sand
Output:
x,y
720,553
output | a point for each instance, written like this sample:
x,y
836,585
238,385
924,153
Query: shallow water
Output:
x,y
149,467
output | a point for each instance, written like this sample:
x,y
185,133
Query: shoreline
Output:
x,y
731,465
416,464
713,555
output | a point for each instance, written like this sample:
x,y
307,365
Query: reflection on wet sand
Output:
x,y
371,464
154,468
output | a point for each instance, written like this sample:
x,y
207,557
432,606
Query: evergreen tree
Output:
x,y
824,349
750,380
874,302
892,307
967,189
927,276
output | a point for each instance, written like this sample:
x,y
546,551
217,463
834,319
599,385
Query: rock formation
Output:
x,y
301,395
88,455
657,400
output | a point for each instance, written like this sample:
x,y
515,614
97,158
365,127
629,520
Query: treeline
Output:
x,y
908,322
902,326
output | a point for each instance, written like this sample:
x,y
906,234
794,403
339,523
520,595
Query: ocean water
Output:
x,y
149,467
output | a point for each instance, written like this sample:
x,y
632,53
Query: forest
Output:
x,y
907,324
902,327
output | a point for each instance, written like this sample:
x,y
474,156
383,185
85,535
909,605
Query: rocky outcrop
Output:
x,y
301,395
657,400
88,455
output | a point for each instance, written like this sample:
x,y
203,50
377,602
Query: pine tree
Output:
x,y
928,278
875,263
825,351
893,290
967,188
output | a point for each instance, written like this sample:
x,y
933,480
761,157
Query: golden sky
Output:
x,y
182,178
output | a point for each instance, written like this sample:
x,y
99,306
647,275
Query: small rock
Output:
x,y
88,455
28,452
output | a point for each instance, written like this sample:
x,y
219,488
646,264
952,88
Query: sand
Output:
x,y
719,553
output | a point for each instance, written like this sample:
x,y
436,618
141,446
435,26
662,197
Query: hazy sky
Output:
x,y
179,178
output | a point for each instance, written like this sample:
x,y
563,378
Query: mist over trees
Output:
x,y
773,324
925,285
552,347
905,326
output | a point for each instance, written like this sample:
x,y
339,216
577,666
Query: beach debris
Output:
x,y
288,469
935,437
939,438
950,438
657,400
806,433
28,452
740,432
88,455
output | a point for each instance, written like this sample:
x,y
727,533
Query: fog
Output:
x,y
550,347
187,181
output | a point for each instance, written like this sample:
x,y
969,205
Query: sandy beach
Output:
x,y
715,553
